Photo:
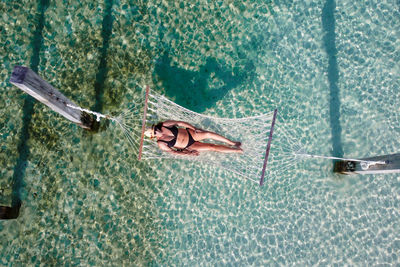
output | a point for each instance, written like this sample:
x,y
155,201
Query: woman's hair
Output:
x,y
157,127
151,132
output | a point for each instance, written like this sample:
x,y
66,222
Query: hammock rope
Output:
x,y
255,134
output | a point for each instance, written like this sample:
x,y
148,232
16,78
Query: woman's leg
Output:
x,y
201,147
201,135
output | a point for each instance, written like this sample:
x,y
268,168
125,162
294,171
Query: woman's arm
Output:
x,y
179,123
163,146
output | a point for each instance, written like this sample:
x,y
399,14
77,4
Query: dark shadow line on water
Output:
x,y
102,71
328,25
23,148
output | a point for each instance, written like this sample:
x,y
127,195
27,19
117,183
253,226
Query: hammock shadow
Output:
x,y
191,90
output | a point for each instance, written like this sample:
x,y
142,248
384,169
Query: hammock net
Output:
x,y
254,133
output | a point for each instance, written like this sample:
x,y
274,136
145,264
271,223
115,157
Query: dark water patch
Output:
x,y
37,41
103,69
328,24
128,59
190,88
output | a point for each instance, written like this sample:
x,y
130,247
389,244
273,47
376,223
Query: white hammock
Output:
x,y
254,132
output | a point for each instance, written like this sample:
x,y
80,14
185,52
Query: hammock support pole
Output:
x,y
32,84
268,148
143,122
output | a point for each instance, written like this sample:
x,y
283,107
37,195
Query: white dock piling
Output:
x,y
383,164
31,83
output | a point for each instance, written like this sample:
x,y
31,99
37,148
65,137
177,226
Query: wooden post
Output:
x,y
271,131
373,165
31,83
143,122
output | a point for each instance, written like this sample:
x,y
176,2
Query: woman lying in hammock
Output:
x,y
186,140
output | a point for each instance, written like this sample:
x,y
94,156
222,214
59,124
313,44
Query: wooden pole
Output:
x,y
31,83
271,132
143,122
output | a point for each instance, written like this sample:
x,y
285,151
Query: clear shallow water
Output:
x,y
86,200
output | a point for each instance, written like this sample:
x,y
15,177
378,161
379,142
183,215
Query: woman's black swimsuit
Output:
x,y
174,131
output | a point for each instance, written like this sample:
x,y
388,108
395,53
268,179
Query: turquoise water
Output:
x,y
330,67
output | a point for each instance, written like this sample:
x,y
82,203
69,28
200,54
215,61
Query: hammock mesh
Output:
x,y
253,132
